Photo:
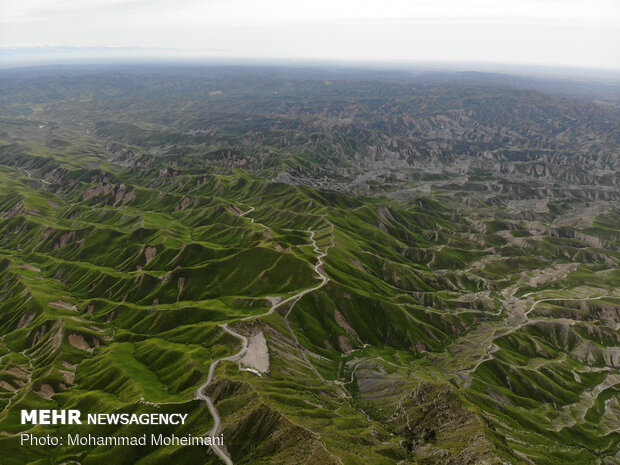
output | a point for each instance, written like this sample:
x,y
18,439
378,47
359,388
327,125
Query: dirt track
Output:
x,y
276,303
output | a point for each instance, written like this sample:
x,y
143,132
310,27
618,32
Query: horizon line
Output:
x,y
22,59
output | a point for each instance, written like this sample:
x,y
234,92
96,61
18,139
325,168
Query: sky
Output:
x,y
574,33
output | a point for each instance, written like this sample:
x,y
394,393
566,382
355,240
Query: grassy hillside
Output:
x,y
459,247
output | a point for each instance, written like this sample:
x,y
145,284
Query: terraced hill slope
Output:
x,y
327,268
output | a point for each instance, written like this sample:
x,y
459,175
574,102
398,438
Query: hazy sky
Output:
x,y
549,32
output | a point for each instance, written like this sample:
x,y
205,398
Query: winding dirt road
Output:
x,y
36,179
276,303
492,348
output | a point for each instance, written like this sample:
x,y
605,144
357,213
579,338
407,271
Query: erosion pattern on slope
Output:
x,y
471,311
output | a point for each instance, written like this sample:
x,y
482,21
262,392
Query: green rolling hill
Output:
x,y
419,272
